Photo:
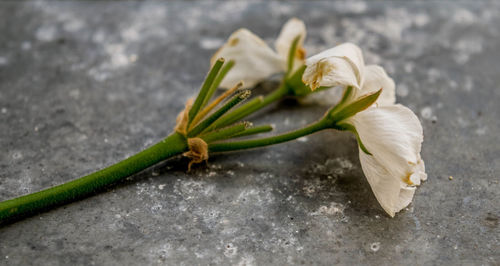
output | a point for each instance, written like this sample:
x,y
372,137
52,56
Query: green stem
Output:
x,y
222,73
255,143
224,133
217,114
84,186
251,107
212,74
253,131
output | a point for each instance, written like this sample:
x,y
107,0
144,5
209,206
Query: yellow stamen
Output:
x,y
322,67
407,179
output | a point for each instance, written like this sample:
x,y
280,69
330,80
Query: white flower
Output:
x,y
340,65
343,65
254,59
391,133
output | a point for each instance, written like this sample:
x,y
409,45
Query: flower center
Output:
x,y
322,67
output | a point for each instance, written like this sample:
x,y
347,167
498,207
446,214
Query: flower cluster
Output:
x,y
389,134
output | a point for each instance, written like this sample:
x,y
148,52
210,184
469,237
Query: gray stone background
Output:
x,y
86,84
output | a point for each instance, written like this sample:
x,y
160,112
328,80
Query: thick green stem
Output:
x,y
255,143
84,186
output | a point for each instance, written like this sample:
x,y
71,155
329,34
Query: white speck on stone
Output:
x,y
453,84
130,34
17,155
154,173
395,22
99,36
303,139
3,61
462,122
467,47
464,17
117,54
212,173
247,261
334,209
409,66
132,58
402,90
356,7
211,43
98,75
427,113
468,84
161,187
26,45
433,74
375,246
4,110
75,94
230,172
46,33
421,19
481,131
156,208
73,25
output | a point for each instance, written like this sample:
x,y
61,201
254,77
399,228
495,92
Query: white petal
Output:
x,y
392,194
254,59
375,79
293,28
393,135
343,62
330,72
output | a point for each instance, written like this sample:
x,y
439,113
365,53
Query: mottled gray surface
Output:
x,y
86,84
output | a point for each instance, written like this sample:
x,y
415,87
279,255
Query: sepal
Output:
x,y
343,111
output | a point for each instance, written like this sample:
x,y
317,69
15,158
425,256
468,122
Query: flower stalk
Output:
x,y
22,206
387,134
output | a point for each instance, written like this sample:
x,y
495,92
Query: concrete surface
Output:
x,y
85,84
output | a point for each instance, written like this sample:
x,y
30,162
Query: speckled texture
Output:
x,y
86,84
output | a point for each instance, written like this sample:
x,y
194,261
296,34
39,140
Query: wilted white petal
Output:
x,y
254,59
375,79
392,193
393,135
293,28
344,62
330,72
